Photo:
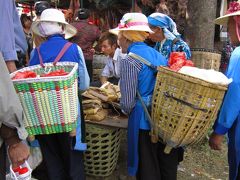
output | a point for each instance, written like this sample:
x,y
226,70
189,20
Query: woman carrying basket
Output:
x,y
146,160
62,153
229,117
166,35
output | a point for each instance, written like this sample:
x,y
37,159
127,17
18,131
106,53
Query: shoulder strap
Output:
x,y
59,56
141,59
61,53
40,57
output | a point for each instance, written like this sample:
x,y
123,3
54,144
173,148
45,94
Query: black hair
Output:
x,y
40,6
112,39
25,18
83,13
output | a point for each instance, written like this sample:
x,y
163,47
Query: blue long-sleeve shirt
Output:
x,y
12,37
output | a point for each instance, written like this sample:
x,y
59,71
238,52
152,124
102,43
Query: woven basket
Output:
x,y
103,150
206,59
49,103
183,107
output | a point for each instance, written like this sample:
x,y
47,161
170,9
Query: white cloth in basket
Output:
x,y
209,75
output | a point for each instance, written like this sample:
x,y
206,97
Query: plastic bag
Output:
x,y
177,60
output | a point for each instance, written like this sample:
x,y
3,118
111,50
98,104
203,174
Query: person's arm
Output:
x,y
231,104
106,72
12,130
128,83
84,79
8,36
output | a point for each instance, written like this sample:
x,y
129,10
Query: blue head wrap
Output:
x,y
166,23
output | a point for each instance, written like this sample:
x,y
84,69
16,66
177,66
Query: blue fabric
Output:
x,y
49,51
137,118
12,37
169,47
229,117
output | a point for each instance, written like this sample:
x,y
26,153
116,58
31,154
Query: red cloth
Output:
x,y
87,34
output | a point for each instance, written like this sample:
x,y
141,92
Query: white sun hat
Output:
x,y
132,22
54,15
233,10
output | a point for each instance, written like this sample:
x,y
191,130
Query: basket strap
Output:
x,y
61,53
145,109
40,57
141,59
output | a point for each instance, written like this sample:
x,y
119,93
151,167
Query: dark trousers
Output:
x,y
89,68
63,163
154,164
3,156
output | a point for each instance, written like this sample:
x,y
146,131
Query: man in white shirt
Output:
x,y
109,47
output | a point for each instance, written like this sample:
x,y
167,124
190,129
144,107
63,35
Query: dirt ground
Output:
x,y
200,163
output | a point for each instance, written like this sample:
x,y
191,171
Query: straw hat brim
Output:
x,y
69,32
223,20
135,28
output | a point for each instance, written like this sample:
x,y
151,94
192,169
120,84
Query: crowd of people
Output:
x,y
50,38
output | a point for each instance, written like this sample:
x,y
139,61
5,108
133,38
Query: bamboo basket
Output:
x,y
205,58
50,104
183,107
101,156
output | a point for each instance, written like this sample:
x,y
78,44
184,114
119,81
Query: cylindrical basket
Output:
x,y
101,156
184,107
205,58
50,104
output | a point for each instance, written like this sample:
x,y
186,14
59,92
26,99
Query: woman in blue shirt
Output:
x,y
146,160
228,121
166,35
62,153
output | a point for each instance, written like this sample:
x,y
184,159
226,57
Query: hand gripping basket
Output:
x,y
101,156
183,107
205,58
49,103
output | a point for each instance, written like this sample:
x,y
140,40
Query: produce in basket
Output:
x,y
100,115
59,72
25,75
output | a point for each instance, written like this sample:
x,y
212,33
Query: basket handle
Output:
x,y
184,102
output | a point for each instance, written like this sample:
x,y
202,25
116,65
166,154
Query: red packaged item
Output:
x,y
189,63
178,65
59,72
24,75
175,57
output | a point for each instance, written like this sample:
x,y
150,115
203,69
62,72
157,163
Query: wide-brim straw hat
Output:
x,y
233,10
132,22
54,15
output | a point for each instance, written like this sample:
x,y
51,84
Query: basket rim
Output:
x,y
45,79
205,50
192,79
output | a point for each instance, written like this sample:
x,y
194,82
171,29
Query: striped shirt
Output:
x,y
130,69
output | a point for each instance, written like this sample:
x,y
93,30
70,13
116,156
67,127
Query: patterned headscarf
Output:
x,y
166,23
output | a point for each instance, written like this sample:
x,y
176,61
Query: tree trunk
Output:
x,y
199,32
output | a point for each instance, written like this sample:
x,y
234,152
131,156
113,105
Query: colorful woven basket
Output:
x,y
205,58
50,104
183,107
101,156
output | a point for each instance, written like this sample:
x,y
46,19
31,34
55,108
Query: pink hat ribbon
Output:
x,y
129,24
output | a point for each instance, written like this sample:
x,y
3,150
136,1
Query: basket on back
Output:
x,y
206,59
50,104
183,107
